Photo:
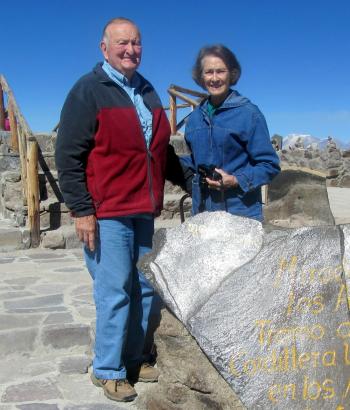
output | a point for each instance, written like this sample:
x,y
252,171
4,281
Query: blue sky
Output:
x,y
295,55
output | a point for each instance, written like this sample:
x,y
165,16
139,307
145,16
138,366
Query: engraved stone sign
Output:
x,y
270,310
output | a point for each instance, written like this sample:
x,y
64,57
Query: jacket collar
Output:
x,y
103,77
233,100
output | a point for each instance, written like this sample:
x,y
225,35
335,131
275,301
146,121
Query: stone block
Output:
x,y
11,176
297,198
96,406
13,321
10,239
37,406
15,294
66,336
13,196
75,365
17,341
58,318
345,181
179,144
31,391
9,162
53,240
333,172
70,236
37,302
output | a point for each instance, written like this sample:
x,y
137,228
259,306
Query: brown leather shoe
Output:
x,y
117,390
144,373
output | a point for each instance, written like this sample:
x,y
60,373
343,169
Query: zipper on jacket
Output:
x,y
149,159
148,152
150,181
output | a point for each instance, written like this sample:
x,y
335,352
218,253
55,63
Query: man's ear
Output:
x,y
103,47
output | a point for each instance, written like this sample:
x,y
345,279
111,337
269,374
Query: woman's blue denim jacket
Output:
x,y
235,139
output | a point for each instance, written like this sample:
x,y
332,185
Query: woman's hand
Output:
x,y
228,181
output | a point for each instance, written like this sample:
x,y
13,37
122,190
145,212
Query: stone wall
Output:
x,y
53,212
334,162
54,215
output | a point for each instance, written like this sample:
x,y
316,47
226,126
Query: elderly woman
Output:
x,y
231,153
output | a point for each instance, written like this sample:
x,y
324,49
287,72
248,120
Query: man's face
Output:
x,y
122,47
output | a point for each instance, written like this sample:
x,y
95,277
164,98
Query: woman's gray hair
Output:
x,y
226,55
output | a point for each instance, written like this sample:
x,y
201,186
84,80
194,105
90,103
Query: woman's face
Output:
x,y
216,78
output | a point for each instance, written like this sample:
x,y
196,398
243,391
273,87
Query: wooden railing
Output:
x,y
175,92
23,142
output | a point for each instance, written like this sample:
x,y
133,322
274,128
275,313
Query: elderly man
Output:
x,y
111,159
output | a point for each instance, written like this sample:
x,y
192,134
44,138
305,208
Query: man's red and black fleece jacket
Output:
x,y
104,166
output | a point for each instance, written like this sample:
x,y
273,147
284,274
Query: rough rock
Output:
x,y
297,198
276,326
188,380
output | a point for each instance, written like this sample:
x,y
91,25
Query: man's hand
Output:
x,y
85,227
228,181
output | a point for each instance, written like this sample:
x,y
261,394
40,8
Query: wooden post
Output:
x,y
266,194
13,127
2,109
33,192
173,114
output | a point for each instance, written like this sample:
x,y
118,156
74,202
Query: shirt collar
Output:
x,y
120,78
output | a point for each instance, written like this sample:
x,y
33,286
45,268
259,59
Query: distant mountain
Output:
x,y
307,140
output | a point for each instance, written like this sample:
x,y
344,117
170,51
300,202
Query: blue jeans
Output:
x,y
123,296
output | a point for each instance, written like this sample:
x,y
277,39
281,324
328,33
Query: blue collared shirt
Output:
x,y
132,89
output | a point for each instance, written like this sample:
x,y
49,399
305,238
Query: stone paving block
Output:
x,y
84,299
11,322
96,406
36,390
37,406
17,341
46,255
82,290
37,302
25,280
15,295
86,311
69,269
66,336
6,260
75,364
37,310
56,318
58,262
11,287
51,287
24,367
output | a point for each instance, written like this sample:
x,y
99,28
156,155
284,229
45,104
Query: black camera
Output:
x,y
208,171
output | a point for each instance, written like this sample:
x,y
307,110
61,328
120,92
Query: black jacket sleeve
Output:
x,y
74,142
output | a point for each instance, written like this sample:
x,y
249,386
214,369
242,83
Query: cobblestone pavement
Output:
x,y
46,322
